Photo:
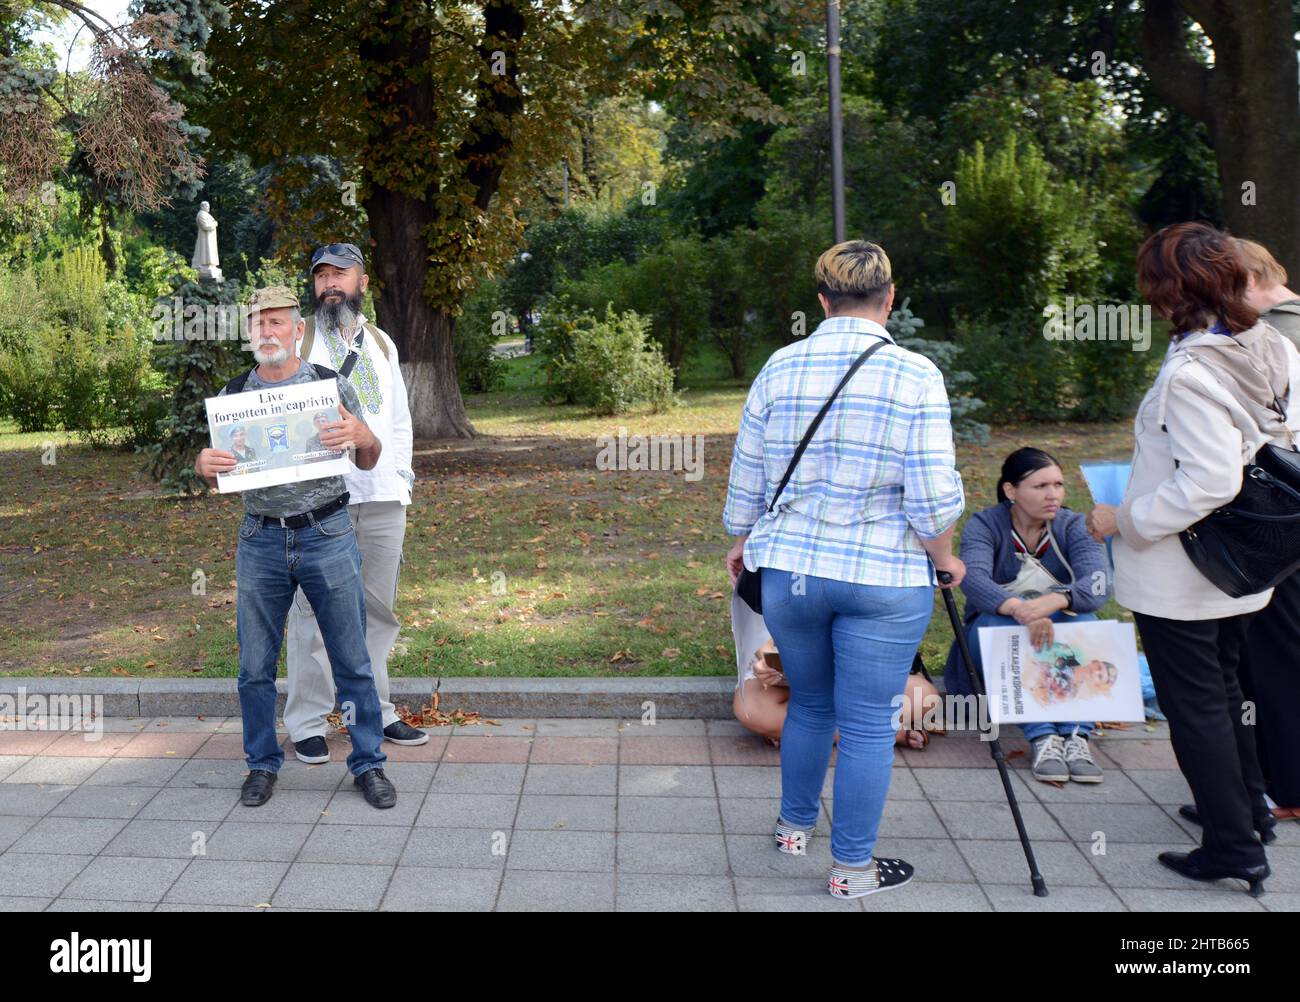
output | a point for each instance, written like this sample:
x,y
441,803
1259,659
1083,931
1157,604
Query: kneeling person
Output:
x,y
300,535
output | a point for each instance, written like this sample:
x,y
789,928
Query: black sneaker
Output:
x,y
378,791
257,788
312,750
401,733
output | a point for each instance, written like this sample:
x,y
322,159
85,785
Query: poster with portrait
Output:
x,y
1088,672
274,434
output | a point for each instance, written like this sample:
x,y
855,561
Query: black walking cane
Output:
x,y
995,746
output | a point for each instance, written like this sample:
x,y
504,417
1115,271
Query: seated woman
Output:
x,y
762,694
1030,562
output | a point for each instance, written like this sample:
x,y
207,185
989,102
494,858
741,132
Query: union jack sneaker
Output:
x,y
791,840
881,875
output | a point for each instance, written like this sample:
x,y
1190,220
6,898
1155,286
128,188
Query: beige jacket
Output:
x,y
1212,434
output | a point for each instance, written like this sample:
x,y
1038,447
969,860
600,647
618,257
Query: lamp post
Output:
x,y
837,122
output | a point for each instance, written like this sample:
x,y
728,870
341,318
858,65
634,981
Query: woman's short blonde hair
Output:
x,y
856,272
1260,263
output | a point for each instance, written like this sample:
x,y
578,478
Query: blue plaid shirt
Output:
x,y
879,473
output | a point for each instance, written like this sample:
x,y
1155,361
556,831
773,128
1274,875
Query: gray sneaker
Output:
x,y
1049,760
1078,758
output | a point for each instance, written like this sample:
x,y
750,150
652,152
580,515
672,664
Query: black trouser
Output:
x,y
1270,678
1194,665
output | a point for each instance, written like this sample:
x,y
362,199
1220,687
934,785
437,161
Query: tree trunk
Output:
x,y
1248,102
401,103
399,223
422,333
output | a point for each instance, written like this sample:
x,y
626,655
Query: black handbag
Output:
x,y
1252,543
749,583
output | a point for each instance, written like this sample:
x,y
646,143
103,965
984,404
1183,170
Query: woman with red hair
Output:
x,y
1206,415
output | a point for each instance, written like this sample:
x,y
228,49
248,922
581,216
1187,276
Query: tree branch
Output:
x,y
104,26
57,100
498,102
1175,73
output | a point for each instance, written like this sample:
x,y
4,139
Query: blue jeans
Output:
x,y
1039,729
324,560
846,649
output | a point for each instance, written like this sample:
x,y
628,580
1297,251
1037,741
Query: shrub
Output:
x,y
29,389
478,329
614,366
1019,374
1017,238
669,285
904,325
1110,378
553,341
74,351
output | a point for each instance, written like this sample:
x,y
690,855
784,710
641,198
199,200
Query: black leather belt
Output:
x,y
305,519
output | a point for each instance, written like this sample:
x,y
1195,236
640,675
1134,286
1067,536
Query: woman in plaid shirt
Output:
x,y
846,555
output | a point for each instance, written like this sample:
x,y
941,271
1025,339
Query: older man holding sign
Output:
x,y
298,534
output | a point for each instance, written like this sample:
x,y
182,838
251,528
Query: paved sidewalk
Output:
x,y
557,814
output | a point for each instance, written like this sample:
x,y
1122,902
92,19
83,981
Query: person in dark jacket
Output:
x,y
1030,562
1267,670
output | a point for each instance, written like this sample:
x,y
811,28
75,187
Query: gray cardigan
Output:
x,y
1285,319
990,559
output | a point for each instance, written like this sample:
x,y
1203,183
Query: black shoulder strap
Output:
x,y
236,385
349,362
816,422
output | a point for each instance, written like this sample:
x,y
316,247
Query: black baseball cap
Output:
x,y
339,255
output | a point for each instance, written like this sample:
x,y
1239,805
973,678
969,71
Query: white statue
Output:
x,y
205,246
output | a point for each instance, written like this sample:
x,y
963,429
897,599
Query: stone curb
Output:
x,y
672,697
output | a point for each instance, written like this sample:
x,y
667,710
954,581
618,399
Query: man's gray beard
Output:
x,y
278,357
342,315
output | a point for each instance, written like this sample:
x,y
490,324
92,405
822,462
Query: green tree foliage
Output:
x,y
1015,243
1017,238
441,114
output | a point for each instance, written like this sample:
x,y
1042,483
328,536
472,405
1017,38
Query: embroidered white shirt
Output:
x,y
391,479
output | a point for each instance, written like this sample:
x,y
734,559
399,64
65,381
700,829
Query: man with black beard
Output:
x,y
340,337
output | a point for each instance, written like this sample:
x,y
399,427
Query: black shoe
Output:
x,y
379,792
257,788
1189,865
401,733
312,750
1264,823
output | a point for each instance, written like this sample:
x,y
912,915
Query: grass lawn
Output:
x,y
522,558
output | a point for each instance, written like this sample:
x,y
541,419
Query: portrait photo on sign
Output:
x,y
1088,671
